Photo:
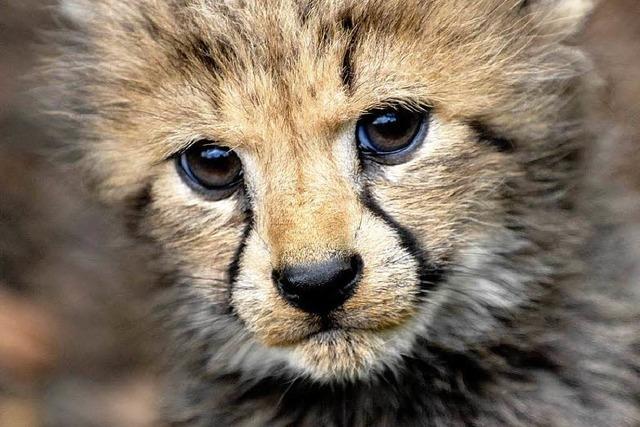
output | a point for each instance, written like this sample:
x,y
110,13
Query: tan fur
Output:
x,y
265,79
282,107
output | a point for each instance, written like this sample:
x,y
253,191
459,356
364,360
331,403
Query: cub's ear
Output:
x,y
78,12
559,17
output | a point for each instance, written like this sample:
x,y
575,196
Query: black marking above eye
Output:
x,y
347,74
388,135
212,170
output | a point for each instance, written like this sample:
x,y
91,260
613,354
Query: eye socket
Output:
x,y
388,135
210,169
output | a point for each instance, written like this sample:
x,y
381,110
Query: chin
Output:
x,y
341,355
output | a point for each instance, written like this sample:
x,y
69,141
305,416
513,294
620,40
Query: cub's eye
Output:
x,y
210,169
389,135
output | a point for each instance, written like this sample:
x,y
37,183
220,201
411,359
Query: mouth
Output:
x,y
324,329
336,353
328,329
345,344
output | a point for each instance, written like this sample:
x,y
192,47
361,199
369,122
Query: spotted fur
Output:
x,y
476,306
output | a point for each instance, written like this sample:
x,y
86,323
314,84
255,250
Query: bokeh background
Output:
x,y
77,347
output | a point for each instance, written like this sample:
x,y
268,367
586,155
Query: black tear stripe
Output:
x,y
234,268
487,136
430,275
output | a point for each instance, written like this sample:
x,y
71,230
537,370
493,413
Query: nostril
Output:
x,y
320,287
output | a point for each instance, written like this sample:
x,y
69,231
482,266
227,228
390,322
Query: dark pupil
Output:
x,y
214,167
393,130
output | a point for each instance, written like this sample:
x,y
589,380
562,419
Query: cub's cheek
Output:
x,y
388,292
198,233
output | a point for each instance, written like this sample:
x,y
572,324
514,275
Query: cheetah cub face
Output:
x,y
332,182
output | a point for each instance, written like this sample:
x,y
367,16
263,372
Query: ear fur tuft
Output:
x,y
76,11
564,17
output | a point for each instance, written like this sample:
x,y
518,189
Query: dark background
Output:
x,y
75,340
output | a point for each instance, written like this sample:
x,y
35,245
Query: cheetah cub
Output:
x,y
369,210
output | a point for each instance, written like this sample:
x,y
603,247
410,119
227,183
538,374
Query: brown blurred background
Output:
x,y
75,341
76,346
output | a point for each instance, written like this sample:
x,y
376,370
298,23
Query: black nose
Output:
x,y
320,287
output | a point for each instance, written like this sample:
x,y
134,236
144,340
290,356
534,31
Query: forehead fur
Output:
x,y
166,73
259,41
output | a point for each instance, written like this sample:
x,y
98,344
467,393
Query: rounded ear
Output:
x,y
76,11
559,17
